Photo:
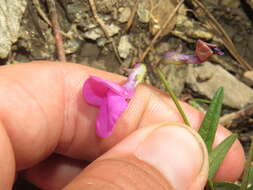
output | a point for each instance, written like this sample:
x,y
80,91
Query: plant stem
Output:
x,y
172,95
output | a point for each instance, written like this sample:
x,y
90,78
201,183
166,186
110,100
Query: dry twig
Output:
x,y
40,12
165,25
56,29
44,17
225,37
103,27
229,118
131,18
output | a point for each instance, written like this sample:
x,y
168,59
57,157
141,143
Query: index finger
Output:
x,y
43,111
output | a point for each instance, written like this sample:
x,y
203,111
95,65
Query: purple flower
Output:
x,y
111,98
202,53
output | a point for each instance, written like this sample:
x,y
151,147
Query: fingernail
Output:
x,y
176,152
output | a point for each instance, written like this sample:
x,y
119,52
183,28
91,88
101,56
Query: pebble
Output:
x,y
124,47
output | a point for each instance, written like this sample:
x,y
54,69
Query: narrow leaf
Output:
x,y
246,174
251,175
218,154
226,186
210,122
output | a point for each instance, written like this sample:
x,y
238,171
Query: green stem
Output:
x,y
172,95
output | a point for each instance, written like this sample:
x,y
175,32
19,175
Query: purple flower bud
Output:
x,y
202,53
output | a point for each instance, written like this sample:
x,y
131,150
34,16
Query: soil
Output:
x,y
84,41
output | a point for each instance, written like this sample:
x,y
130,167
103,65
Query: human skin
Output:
x,y
43,112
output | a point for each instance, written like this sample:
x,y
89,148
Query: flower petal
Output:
x,y
203,50
95,90
110,111
102,124
173,57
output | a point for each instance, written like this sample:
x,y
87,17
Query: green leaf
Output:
x,y
210,122
226,186
218,154
251,175
247,170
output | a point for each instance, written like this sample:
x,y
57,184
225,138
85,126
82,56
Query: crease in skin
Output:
x,y
65,105
27,93
145,107
70,101
126,172
93,183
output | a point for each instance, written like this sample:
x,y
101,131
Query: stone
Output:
x,y
124,15
93,34
10,17
156,13
231,3
112,29
160,11
207,78
143,12
96,33
248,77
175,75
189,28
124,47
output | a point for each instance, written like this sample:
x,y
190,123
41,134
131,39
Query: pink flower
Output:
x,y
202,53
111,98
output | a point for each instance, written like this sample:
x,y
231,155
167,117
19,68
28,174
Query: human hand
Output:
x,y
43,113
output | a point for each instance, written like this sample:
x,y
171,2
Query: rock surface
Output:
x,y
95,33
124,47
248,77
124,15
10,16
207,78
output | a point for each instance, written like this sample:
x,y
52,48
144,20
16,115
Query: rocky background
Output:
x,y
26,34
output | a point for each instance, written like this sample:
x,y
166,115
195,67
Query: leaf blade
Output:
x,y
247,170
210,122
218,154
226,186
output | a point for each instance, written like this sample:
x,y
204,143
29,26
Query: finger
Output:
x,y
7,161
155,157
55,172
49,94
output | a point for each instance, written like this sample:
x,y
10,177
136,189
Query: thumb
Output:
x,y
166,156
